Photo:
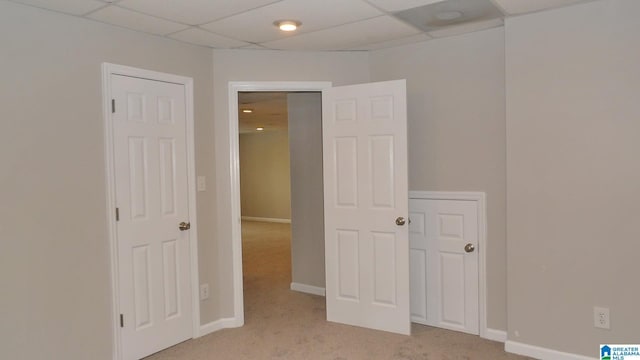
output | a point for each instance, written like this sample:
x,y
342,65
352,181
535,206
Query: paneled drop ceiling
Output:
x,y
326,24
268,110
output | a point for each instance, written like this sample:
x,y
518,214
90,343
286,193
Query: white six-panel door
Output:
x,y
149,142
444,263
365,191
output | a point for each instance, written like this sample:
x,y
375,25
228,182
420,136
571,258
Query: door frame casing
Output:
x,y
480,199
234,160
108,70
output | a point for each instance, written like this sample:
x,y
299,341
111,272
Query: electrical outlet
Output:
x,y
204,291
601,318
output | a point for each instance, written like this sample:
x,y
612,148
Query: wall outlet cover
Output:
x,y
601,317
204,291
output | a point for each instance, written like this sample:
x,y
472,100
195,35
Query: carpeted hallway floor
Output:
x,y
283,324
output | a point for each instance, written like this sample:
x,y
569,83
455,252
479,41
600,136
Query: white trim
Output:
x,y
224,323
269,220
114,69
495,335
541,353
193,213
480,198
309,289
234,163
448,195
111,201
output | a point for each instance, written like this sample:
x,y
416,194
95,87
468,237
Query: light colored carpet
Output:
x,y
283,324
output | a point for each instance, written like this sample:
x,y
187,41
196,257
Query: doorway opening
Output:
x,y
364,124
265,197
256,90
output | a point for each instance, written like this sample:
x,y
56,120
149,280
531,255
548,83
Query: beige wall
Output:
x,y
572,82
307,196
456,128
573,140
54,251
246,65
265,186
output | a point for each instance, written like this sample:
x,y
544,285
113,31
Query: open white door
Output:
x,y
150,156
366,205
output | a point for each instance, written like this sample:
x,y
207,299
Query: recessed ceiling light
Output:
x,y
259,128
287,25
448,15
247,111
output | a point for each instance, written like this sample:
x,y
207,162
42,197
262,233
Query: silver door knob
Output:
x,y
184,226
469,248
400,221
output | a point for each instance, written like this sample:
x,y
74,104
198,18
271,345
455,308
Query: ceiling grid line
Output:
x,y
327,25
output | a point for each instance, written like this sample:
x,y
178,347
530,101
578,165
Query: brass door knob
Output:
x,y
184,226
400,221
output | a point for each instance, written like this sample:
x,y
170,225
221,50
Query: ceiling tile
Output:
x,y
514,7
193,12
399,5
466,28
253,47
205,38
74,7
428,17
396,42
257,25
345,37
136,21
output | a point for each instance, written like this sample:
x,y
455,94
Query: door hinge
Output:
x,y
117,214
121,320
113,106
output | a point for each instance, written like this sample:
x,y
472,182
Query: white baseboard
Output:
x,y
309,289
494,335
263,219
542,353
217,325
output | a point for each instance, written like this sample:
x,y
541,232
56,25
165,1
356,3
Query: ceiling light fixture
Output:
x,y
259,128
287,25
247,111
448,15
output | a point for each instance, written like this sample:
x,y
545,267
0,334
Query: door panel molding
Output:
x,y
480,198
108,70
